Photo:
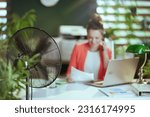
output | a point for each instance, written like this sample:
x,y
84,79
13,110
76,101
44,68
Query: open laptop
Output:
x,y
118,72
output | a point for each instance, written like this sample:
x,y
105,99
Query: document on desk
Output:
x,y
79,76
119,91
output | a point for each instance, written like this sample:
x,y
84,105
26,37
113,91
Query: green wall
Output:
x,y
65,12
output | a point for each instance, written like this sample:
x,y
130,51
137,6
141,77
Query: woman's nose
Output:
x,y
94,40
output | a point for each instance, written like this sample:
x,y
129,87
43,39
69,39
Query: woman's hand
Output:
x,y
106,58
69,79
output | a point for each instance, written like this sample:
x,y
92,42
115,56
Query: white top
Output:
x,y
92,63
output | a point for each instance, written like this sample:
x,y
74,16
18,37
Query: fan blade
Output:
x,y
22,46
51,50
42,46
51,62
41,72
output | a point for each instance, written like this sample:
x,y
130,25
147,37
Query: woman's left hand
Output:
x,y
106,58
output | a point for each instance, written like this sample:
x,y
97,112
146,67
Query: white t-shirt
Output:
x,y
92,63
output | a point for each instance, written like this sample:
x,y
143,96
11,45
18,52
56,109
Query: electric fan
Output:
x,y
31,42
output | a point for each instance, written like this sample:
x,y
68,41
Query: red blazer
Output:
x,y
78,57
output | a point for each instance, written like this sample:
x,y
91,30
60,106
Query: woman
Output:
x,y
92,56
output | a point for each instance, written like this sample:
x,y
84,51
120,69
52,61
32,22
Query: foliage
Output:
x,y
113,32
3,48
17,22
147,69
12,79
129,17
147,66
27,20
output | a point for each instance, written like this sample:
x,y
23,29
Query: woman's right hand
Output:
x,y
69,79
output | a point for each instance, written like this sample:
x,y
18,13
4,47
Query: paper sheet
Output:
x,y
118,91
81,76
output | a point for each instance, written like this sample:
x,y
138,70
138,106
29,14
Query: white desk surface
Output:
x,y
79,91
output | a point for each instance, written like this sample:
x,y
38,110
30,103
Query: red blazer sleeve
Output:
x,y
73,59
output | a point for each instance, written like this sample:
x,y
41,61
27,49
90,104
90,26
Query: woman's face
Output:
x,y
95,39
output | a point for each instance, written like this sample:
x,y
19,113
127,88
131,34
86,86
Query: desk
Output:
x,y
80,91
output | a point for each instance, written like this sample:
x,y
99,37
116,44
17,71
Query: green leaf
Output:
x,y
20,65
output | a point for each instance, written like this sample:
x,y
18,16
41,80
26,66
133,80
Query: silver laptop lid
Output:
x,y
120,71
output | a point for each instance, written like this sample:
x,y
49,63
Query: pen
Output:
x,y
103,93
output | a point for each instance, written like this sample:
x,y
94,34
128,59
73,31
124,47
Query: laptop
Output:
x,y
118,72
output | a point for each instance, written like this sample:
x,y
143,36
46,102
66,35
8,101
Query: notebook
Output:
x,y
118,72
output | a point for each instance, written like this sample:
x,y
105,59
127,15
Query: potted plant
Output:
x,y
12,79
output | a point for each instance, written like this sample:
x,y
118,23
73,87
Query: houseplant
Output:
x,y
12,79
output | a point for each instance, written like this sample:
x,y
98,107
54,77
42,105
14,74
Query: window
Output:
x,y
126,21
129,19
3,17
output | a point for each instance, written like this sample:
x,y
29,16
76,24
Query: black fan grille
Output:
x,y
32,41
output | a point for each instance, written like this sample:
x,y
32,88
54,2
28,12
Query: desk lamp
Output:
x,y
139,49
